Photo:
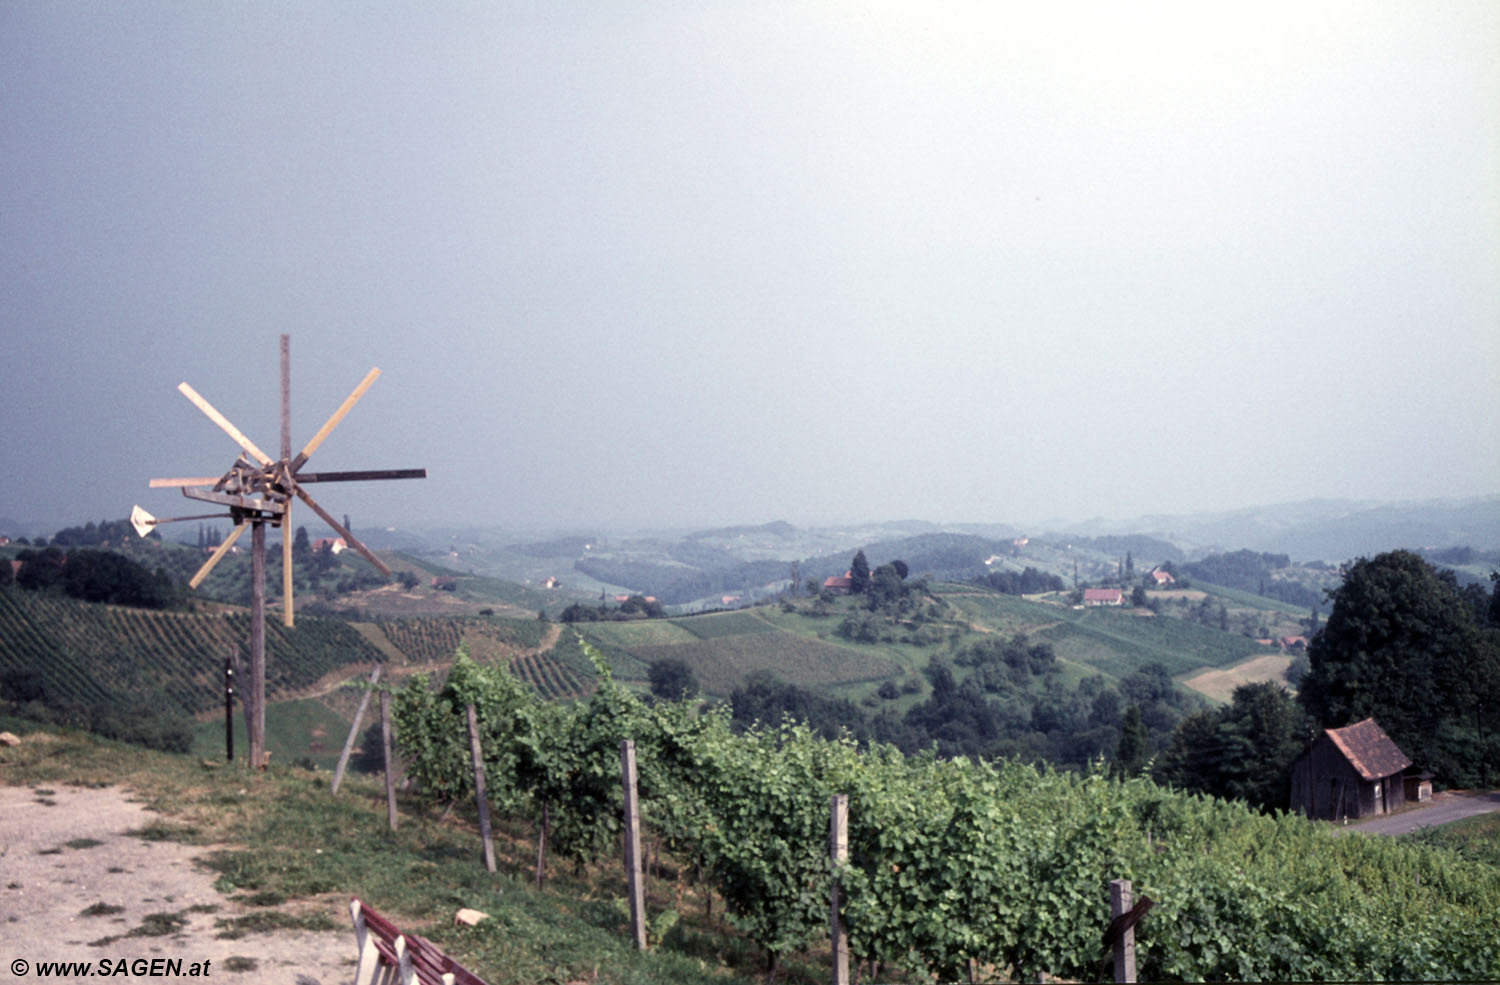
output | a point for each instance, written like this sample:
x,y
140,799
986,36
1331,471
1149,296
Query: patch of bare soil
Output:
x,y
1219,684
76,886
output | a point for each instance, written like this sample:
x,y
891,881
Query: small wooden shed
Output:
x,y
1350,772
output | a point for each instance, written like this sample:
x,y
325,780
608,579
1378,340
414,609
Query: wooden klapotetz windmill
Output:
x,y
259,490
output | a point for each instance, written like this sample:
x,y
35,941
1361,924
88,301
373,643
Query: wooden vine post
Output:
x,y
633,845
541,848
483,802
390,765
258,644
1120,898
229,709
359,717
838,854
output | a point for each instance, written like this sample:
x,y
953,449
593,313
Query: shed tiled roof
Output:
x,y
1369,750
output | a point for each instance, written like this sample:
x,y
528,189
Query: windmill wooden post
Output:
x,y
258,490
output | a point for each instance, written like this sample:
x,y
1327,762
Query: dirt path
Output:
x,y
74,886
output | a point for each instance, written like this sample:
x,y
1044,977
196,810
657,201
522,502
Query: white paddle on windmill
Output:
x,y
259,490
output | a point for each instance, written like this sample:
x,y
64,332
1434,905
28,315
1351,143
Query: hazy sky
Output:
x,y
683,263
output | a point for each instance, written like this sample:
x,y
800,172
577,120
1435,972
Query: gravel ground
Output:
x,y
75,887
1446,807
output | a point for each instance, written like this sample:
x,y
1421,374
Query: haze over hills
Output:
x,y
735,564
1331,530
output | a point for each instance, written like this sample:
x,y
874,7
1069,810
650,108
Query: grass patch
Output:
x,y
266,897
159,925
304,731
721,664
101,910
1475,838
159,830
719,624
240,963
79,843
269,921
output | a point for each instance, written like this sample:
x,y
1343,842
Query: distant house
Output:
x,y
840,584
551,582
445,583
1293,644
335,544
1103,596
1162,577
1349,772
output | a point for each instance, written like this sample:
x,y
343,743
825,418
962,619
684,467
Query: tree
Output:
x,y
672,679
1135,743
859,574
1400,645
301,545
1242,751
885,586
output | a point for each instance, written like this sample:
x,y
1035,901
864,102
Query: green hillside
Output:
x,y
805,648
60,651
1113,642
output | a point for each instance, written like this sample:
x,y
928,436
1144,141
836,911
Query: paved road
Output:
x,y
1443,808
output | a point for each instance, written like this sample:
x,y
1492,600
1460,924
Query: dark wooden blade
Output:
x,y
362,476
349,538
286,397
288,619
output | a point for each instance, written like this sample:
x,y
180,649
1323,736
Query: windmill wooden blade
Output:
x,y
186,481
218,554
223,422
286,566
361,476
349,538
333,421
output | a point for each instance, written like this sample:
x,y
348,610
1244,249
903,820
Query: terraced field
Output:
x,y
85,652
722,649
550,677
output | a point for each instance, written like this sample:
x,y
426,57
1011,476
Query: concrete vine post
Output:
x,y
838,854
633,845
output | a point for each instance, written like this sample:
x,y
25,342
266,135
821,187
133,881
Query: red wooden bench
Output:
x,y
390,957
